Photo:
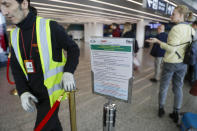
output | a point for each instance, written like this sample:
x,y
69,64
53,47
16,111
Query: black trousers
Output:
x,y
43,107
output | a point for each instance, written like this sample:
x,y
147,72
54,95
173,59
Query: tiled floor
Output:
x,y
140,115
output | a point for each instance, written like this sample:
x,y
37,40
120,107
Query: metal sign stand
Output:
x,y
109,116
102,48
72,108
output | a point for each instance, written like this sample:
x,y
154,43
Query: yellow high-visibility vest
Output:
x,y
52,70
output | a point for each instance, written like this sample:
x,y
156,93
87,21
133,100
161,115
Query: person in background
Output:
x,y
189,77
128,33
158,53
40,69
3,42
191,18
173,68
116,30
194,26
3,33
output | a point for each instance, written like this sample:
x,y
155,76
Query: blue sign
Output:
x,y
161,6
153,4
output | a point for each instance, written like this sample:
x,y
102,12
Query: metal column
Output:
x,y
72,108
109,116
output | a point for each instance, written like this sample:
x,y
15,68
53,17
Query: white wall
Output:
x,y
92,29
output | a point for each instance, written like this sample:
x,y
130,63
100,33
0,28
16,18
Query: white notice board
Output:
x,y
112,66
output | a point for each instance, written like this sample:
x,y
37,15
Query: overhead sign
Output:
x,y
160,5
170,9
153,4
111,64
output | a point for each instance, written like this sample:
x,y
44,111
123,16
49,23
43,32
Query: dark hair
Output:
x,y
195,22
21,1
32,9
115,24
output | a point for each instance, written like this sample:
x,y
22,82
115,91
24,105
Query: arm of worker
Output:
x,y
173,39
63,41
22,87
19,77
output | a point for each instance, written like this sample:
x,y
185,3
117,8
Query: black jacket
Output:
x,y
130,34
60,40
156,50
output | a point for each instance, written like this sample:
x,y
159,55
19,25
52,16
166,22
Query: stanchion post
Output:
x,y
14,92
109,116
72,108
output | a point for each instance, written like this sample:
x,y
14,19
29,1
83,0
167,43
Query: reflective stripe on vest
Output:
x,y
52,70
53,89
15,41
45,50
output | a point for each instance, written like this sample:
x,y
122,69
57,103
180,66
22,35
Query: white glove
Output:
x,y
68,81
27,100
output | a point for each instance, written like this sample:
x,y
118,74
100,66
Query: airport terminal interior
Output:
x,y
84,20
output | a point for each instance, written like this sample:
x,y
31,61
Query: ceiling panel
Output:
x,y
103,11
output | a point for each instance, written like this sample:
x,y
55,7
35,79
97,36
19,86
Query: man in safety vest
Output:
x,y
40,70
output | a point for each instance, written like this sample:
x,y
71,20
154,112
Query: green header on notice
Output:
x,y
111,48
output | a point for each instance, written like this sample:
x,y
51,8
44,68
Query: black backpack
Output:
x,y
190,57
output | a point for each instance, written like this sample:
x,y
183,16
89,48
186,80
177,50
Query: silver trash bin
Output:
x,y
109,117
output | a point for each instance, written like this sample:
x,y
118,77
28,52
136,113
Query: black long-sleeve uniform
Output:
x,y
35,85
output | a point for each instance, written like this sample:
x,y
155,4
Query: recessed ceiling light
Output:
x,y
124,13
67,11
135,2
114,5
